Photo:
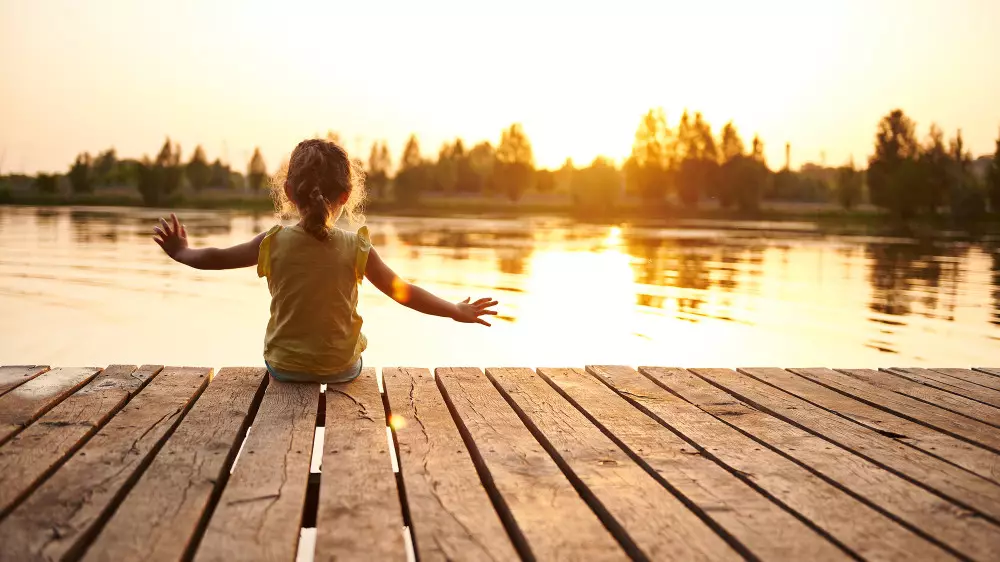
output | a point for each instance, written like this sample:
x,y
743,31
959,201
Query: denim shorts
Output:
x,y
346,375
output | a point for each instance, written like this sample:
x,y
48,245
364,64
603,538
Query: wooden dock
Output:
x,y
604,463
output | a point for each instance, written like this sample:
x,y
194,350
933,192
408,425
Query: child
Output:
x,y
314,270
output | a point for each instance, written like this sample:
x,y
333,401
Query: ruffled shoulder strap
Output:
x,y
264,254
364,247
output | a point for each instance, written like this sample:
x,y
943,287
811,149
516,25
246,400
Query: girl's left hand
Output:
x,y
171,237
470,313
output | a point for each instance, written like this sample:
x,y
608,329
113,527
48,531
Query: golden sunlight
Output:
x,y
397,422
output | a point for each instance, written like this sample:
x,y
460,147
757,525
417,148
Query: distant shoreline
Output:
x,y
823,216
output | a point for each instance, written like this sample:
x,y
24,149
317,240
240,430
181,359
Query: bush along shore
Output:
x,y
683,171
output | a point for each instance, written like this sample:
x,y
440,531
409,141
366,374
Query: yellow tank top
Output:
x,y
315,327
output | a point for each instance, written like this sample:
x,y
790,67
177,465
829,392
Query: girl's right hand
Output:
x,y
172,240
469,313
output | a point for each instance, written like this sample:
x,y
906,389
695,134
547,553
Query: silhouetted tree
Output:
x,y
596,188
413,174
731,151
221,175
564,176
993,179
482,162
467,181
198,172
752,177
80,176
159,179
446,168
649,166
47,183
849,183
697,173
256,171
966,199
935,170
105,167
377,177
545,181
893,170
515,162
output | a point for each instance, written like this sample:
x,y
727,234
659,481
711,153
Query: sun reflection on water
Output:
x,y
569,294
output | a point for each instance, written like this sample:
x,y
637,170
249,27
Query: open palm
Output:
x,y
470,313
172,236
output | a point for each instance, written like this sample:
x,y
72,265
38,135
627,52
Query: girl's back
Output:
x,y
314,271
314,325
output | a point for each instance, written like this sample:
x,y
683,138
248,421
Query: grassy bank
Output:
x,y
824,216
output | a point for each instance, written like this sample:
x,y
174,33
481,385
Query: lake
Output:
x,y
87,286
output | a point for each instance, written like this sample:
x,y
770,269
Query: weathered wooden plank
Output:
x,y
906,406
762,526
974,458
452,517
554,521
259,514
964,488
940,522
359,515
988,371
856,525
968,375
27,402
14,376
161,516
654,520
60,518
928,394
32,455
950,384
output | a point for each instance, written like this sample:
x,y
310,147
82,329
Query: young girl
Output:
x,y
314,270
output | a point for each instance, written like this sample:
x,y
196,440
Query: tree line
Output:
x,y
687,164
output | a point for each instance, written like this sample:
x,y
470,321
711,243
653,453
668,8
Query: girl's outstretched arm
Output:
x,y
172,237
418,299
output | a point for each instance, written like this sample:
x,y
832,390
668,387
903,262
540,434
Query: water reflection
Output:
x,y
570,294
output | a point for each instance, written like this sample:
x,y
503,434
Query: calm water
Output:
x,y
89,287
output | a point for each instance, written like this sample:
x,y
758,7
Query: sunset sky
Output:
x,y
230,75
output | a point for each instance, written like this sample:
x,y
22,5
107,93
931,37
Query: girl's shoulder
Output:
x,y
360,236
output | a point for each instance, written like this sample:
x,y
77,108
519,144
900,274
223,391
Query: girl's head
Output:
x,y
318,183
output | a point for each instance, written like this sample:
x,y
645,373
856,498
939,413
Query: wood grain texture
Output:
x,y
932,441
989,371
906,407
959,485
928,395
762,526
13,376
259,514
658,524
556,523
60,518
951,384
359,511
33,454
452,516
27,402
960,527
160,516
852,523
968,375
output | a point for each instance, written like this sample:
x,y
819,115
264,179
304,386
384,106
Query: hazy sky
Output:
x,y
85,75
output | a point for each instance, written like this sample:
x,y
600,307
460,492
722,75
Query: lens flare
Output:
x,y
397,422
400,290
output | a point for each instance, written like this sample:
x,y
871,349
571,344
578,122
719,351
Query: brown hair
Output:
x,y
319,173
